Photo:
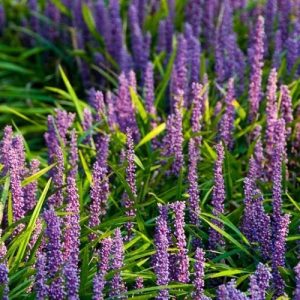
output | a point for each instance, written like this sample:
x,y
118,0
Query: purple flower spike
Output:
x,y
278,51
99,186
5,148
271,110
197,104
226,125
87,124
54,255
182,259
16,170
278,252
161,258
99,280
4,281
297,290
256,70
139,283
218,198
193,189
71,280
30,190
129,200
117,285
260,282
149,90
193,15
199,274
41,286
286,107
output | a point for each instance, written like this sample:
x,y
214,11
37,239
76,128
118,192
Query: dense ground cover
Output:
x,y
149,149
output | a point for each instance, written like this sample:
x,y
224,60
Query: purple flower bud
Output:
x,y
260,282
297,290
129,200
173,141
161,259
115,45
102,20
5,148
71,280
286,107
111,113
278,252
41,286
117,285
230,292
226,124
193,189
149,90
218,198
193,16
124,107
270,15
292,45
99,187
182,259
96,100
139,283
4,280
278,51
199,274
197,104
54,255
99,279
256,68
284,10
30,190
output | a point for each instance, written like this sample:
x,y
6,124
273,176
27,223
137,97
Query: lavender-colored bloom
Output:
x,y
286,107
99,279
256,70
193,15
211,9
139,283
96,100
270,15
197,104
226,124
182,259
276,162
16,170
5,148
100,186
297,290
284,10
140,5
271,111
41,286
124,107
102,20
260,282
115,45
161,259
292,45
199,274
54,255
193,190
230,292
180,72
174,139
169,35
278,252
129,200
218,198
4,280
72,231
149,90
30,190
71,280
117,285
256,223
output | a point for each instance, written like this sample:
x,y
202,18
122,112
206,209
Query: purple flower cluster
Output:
x,y
218,198
260,282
